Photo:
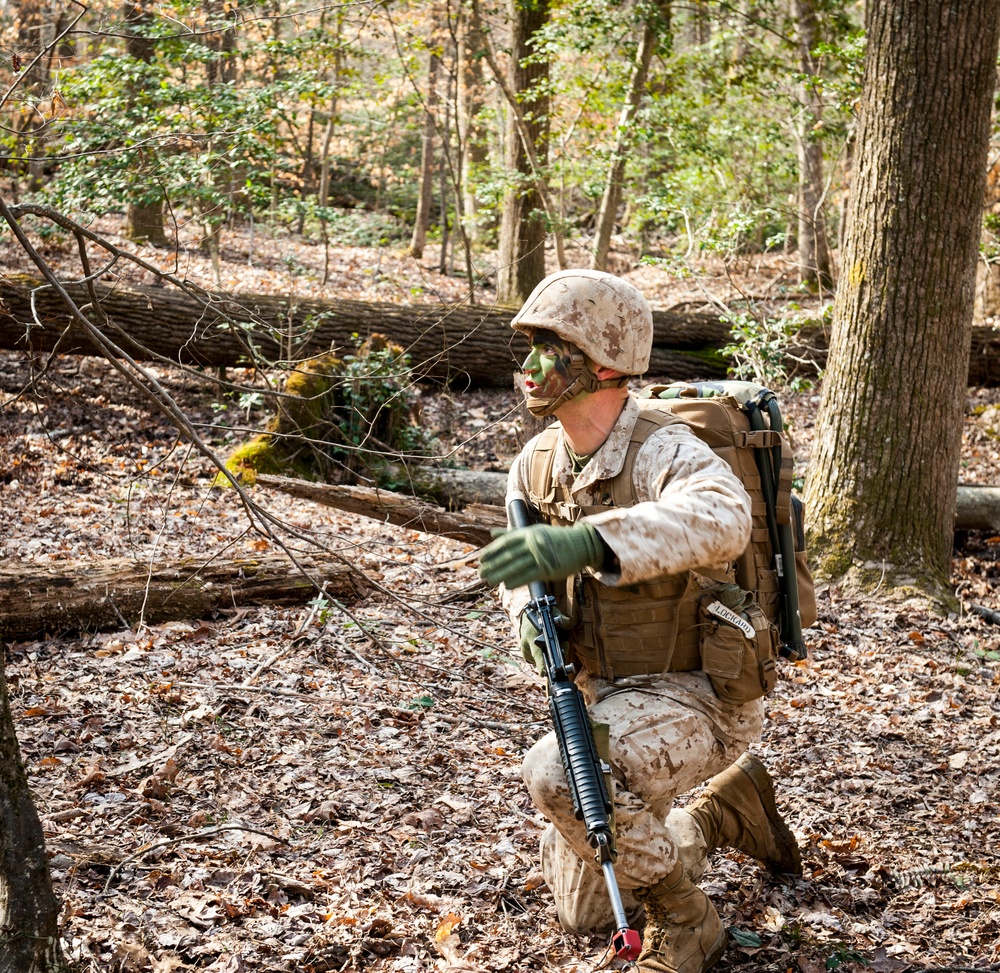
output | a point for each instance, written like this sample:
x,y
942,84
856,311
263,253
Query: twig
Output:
x,y
342,701
197,836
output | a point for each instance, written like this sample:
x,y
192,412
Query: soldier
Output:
x,y
638,515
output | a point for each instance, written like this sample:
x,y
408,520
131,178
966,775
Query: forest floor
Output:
x,y
337,787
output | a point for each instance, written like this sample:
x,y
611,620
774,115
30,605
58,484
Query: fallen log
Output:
x,y
474,502
472,524
37,599
457,344
977,508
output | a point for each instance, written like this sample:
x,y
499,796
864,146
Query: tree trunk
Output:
x,y
425,201
29,911
522,223
987,308
457,344
144,216
68,596
813,246
657,22
470,103
882,488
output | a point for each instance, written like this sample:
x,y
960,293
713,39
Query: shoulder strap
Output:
x,y
541,489
650,419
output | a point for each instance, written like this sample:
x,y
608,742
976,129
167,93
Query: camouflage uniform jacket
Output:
x,y
691,510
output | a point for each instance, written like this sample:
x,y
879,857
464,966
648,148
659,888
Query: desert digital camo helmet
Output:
x,y
606,317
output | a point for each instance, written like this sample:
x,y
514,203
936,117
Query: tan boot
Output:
x,y
737,810
684,933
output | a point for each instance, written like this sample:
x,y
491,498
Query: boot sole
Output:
x,y
761,781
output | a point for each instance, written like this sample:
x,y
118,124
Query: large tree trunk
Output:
x,y
522,223
29,911
68,596
657,23
882,487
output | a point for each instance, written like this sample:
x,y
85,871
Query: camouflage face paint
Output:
x,y
547,367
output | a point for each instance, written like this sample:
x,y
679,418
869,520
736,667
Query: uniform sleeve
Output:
x,y
691,511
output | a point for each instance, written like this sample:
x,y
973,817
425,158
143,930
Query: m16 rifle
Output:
x,y
584,770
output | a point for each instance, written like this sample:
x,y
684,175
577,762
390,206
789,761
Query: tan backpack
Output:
x,y
742,423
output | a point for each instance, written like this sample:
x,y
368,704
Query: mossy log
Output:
x,y
455,343
38,599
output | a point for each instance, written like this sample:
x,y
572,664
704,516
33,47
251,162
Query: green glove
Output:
x,y
540,553
531,651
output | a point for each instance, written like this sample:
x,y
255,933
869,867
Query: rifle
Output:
x,y
584,770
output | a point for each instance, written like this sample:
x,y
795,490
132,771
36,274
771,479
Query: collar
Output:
x,y
609,459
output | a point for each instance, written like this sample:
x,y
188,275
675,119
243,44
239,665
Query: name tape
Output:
x,y
727,615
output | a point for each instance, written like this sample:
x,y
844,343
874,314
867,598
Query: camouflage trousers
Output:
x,y
668,734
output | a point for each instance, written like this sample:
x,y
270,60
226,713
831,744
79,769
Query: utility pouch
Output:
x,y
738,651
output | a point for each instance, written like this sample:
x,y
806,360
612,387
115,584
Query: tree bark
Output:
x,y
657,21
882,487
68,596
522,224
29,911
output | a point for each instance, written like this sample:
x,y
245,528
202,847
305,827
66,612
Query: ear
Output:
x,y
603,372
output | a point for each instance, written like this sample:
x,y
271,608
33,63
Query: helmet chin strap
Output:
x,y
582,379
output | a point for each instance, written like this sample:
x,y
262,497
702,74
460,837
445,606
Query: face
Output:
x,y
546,369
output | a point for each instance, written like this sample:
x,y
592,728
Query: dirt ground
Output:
x,y
337,787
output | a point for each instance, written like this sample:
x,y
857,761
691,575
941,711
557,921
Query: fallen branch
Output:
x,y
472,524
184,839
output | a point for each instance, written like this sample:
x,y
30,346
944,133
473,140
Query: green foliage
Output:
x,y
760,342
226,116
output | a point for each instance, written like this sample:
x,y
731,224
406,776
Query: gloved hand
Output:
x,y
531,651
540,553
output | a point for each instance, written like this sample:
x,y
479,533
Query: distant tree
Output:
x,y
144,207
522,221
425,198
655,27
813,248
882,486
